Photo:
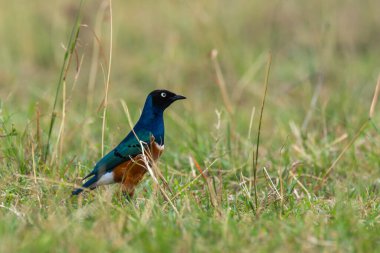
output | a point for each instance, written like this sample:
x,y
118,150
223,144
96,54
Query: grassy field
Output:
x,y
318,171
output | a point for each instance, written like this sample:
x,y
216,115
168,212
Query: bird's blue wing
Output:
x,y
126,150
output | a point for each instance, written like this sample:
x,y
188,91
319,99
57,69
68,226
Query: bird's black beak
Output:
x,y
178,97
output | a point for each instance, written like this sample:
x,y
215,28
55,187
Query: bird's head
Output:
x,y
161,99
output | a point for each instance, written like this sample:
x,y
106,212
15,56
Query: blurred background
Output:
x,y
167,44
325,64
325,61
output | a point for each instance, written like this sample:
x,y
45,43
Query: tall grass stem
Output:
x,y
62,76
256,154
108,80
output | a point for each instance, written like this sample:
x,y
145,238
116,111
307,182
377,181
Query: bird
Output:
x,y
127,163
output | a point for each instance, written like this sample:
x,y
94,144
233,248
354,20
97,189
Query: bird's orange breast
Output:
x,y
130,173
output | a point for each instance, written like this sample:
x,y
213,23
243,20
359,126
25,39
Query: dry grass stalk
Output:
x,y
313,102
300,184
210,186
108,80
274,188
251,122
35,175
151,170
14,211
146,158
193,181
60,139
221,82
38,127
47,180
335,162
97,49
375,99
352,141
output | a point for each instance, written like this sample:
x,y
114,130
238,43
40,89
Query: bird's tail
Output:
x,y
89,184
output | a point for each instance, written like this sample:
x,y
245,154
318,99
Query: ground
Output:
x,y
317,175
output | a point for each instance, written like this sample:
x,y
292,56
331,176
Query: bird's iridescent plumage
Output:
x,y
150,125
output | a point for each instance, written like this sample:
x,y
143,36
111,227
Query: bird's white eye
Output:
x,y
163,94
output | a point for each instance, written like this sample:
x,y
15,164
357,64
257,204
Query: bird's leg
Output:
x,y
127,189
128,194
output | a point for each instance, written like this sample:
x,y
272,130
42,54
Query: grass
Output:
x,y
318,178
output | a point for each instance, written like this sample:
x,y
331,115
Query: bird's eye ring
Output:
x,y
163,94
